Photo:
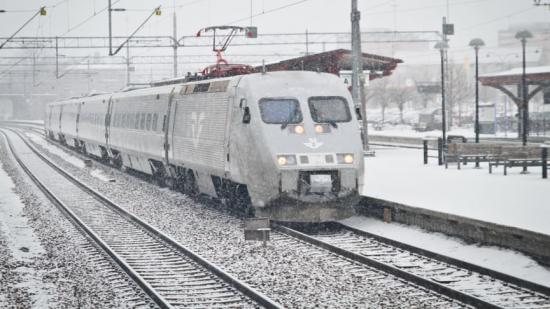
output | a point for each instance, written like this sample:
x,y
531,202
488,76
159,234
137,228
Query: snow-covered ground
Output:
x,y
22,243
516,200
67,156
407,131
503,260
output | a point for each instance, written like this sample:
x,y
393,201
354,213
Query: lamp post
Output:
x,y
523,36
442,46
476,44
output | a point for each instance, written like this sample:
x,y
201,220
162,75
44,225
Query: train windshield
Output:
x,y
329,109
280,111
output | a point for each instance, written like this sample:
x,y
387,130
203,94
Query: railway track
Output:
x,y
468,283
465,283
168,273
410,295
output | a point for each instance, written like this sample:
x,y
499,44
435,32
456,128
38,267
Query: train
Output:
x,y
284,145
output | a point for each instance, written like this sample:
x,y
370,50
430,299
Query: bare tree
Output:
x,y
463,89
400,94
378,93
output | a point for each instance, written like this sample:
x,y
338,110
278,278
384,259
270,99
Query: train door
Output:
x,y
108,122
60,118
171,125
168,127
78,108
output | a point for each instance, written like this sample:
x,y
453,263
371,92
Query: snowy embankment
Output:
x,y
503,260
516,200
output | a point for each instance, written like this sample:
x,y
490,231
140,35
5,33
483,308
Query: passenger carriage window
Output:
x,y
280,111
155,120
329,109
131,121
142,121
136,121
124,119
148,124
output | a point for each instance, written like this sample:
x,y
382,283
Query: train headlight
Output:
x,y
322,128
319,129
299,129
286,160
345,158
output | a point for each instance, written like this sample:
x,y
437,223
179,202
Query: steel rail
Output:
x,y
244,288
447,259
148,289
429,284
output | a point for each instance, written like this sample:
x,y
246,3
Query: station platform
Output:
x,y
517,200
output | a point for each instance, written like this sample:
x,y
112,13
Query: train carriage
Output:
x,y
285,144
91,125
135,136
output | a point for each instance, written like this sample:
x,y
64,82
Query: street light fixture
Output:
x,y
476,44
41,12
523,36
442,46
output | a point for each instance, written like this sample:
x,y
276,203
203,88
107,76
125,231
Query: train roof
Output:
x,y
277,77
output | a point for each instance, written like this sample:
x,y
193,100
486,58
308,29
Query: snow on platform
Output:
x,y
517,200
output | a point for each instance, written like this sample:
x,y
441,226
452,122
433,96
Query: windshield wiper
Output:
x,y
333,123
284,125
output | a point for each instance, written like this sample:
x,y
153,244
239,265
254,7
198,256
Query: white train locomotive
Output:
x,y
286,144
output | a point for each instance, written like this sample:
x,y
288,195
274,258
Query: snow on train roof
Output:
x,y
276,78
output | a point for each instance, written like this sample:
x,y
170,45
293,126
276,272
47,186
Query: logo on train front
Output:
x,y
313,143
196,127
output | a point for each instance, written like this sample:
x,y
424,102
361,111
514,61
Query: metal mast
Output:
x,y
357,78
175,36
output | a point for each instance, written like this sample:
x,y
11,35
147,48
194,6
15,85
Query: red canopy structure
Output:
x,y
539,77
335,61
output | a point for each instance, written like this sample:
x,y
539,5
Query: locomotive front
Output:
x,y
310,158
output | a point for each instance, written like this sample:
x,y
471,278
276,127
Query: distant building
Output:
x,y
540,31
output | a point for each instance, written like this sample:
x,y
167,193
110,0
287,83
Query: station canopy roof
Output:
x,y
335,61
533,75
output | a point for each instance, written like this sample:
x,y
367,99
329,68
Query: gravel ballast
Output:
x,y
71,268
289,276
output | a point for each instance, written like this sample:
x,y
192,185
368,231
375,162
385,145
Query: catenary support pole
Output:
x,y
357,78
109,11
175,35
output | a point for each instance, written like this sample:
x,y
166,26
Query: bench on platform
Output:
x,y
517,156
462,153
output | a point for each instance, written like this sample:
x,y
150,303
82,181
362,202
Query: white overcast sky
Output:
x,y
472,18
